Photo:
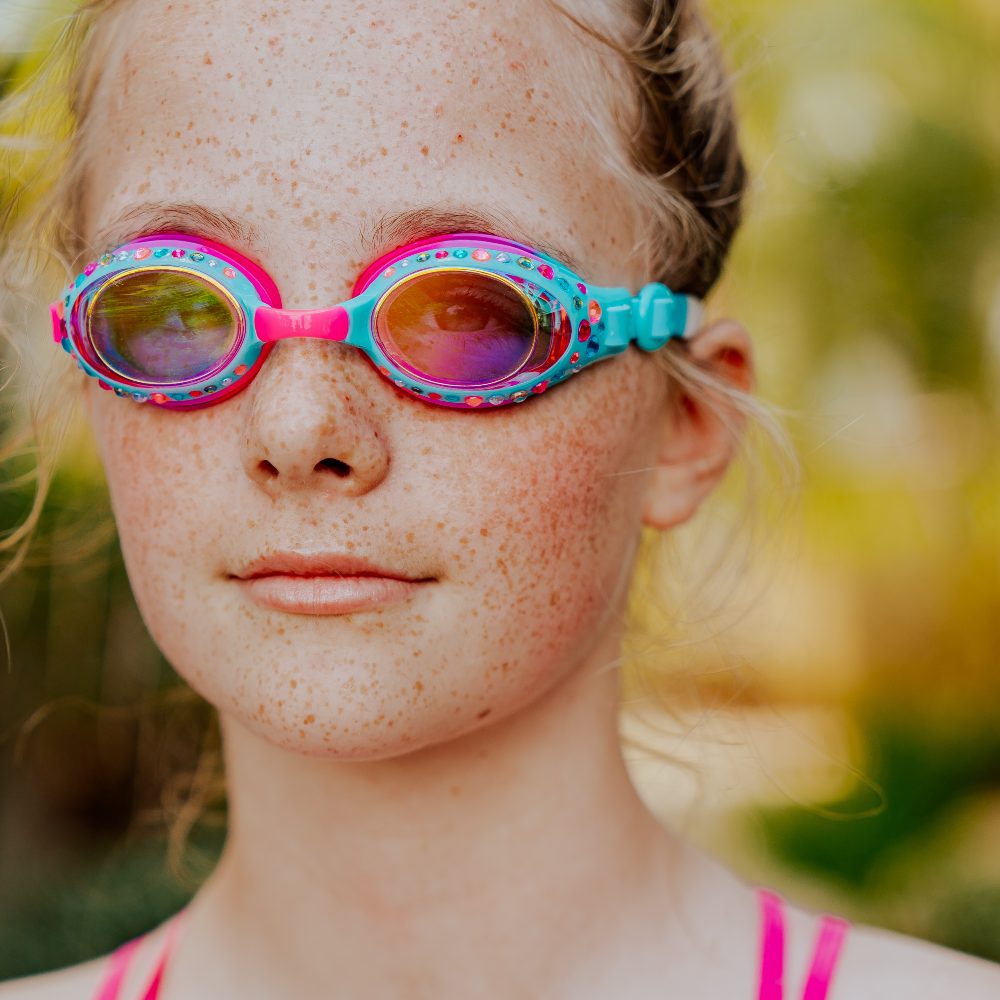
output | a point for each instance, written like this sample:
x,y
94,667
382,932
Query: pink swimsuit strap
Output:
x,y
826,949
121,957
829,938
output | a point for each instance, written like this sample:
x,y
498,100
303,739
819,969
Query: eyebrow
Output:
x,y
387,231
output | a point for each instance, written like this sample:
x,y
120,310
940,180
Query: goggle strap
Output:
x,y
695,312
58,324
650,318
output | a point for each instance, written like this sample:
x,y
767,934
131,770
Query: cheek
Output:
x,y
558,521
168,500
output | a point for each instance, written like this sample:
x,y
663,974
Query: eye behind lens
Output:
x,y
163,326
461,327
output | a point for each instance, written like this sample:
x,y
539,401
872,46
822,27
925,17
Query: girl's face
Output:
x,y
313,121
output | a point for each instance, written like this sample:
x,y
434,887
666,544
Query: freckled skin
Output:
x,y
407,782
192,499
194,503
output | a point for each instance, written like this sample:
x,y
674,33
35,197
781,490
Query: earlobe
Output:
x,y
699,435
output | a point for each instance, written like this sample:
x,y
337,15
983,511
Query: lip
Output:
x,y
319,564
326,583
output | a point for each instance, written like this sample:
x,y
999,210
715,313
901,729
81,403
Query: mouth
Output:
x,y
325,583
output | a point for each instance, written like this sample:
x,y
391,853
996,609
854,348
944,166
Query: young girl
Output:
x,y
386,320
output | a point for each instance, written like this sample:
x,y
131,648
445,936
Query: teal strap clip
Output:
x,y
659,314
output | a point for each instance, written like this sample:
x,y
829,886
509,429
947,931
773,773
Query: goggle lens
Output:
x,y
461,327
162,326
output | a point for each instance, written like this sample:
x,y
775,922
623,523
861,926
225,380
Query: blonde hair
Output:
x,y
671,138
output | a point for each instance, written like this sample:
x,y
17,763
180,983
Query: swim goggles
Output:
x,y
465,320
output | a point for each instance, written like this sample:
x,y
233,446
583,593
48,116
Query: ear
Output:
x,y
696,445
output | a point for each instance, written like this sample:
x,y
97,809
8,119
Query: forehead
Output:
x,y
311,120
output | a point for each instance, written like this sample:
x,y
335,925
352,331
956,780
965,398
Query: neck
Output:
x,y
525,837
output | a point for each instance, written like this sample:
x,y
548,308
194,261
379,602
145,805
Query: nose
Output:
x,y
309,425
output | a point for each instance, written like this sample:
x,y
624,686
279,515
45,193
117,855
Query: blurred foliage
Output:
x,y
868,272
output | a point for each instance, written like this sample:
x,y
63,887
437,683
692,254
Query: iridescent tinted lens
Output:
x,y
461,326
162,325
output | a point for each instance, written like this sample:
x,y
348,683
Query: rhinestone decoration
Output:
x,y
481,255
577,302
460,253
423,256
525,262
158,397
592,347
388,272
121,255
582,287
197,256
594,310
496,400
142,253
107,259
229,272
227,381
162,252
440,253
574,357
503,258
541,387
177,253
240,370
90,268
474,400
545,271
519,396
583,332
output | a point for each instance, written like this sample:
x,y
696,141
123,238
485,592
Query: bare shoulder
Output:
x,y
876,963
74,982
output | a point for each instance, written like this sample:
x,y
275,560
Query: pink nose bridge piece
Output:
x,y
283,324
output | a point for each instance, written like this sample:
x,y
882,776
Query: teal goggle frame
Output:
x,y
184,322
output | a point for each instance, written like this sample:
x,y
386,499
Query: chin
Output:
x,y
371,739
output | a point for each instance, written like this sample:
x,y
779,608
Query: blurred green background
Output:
x,y
843,713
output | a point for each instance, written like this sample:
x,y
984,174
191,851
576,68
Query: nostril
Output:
x,y
268,468
334,465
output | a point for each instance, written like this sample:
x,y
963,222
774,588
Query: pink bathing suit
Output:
x,y
829,937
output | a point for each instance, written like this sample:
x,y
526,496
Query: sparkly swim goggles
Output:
x,y
465,320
